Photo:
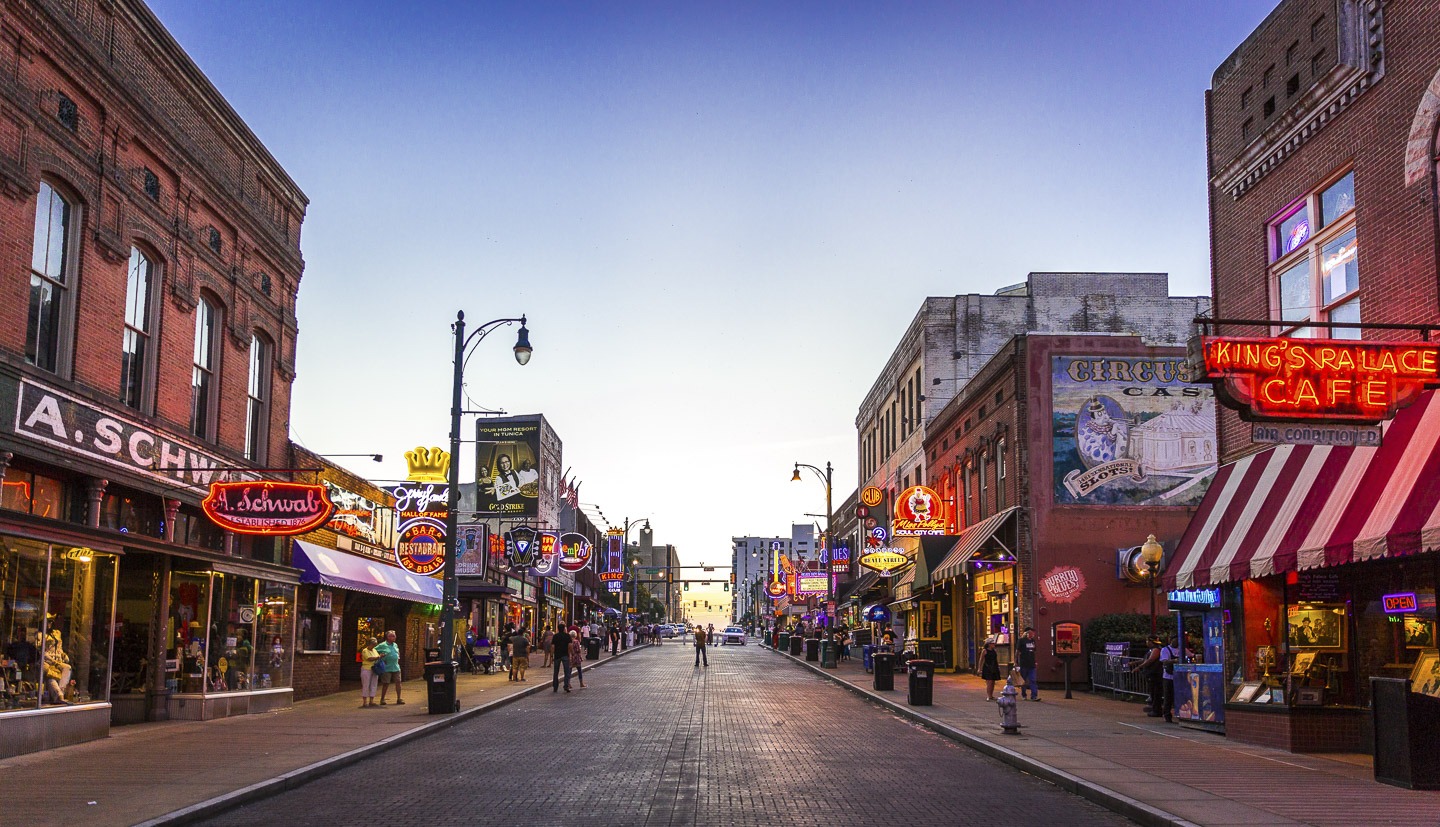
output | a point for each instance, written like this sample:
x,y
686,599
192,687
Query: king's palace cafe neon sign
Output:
x,y
1319,379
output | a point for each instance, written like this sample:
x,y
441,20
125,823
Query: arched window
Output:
x,y
135,347
51,280
202,375
257,402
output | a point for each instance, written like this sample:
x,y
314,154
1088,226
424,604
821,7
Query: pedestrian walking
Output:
x,y
577,659
1169,654
369,678
560,658
545,637
700,648
389,653
519,655
990,669
614,639
710,633
1025,662
505,634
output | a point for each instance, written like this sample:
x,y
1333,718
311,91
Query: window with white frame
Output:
x,y
984,485
1000,475
1315,262
257,402
50,280
202,374
135,342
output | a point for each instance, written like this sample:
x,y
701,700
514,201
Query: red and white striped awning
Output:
x,y
1297,507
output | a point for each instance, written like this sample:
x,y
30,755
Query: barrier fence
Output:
x,y
1111,673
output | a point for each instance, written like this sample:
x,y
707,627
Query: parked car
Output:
x,y
666,630
733,634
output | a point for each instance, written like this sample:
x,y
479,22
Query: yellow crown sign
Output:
x,y
428,465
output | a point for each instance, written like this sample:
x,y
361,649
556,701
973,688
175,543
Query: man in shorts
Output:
x,y
389,653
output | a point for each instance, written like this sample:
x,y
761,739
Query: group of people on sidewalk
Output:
x,y
1158,669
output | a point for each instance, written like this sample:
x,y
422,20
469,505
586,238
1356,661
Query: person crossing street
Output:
x,y
700,647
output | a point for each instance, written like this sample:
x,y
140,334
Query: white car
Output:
x,y
733,634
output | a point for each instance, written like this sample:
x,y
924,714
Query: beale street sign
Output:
x,y
1322,380
269,508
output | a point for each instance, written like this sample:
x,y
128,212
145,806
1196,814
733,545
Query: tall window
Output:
x,y
257,403
984,485
1315,263
202,376
1000,475
49,279
135,345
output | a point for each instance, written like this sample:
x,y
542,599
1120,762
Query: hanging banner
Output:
x,y
547,555
473,546
614,557
521,546
268,508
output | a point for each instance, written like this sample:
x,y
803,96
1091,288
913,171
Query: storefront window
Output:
x,y
56,609
277,633
231,646
186,641
33,494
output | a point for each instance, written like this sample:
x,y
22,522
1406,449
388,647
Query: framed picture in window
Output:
x,y
1425,677
1317,627
1419,632
1310,696
1246,693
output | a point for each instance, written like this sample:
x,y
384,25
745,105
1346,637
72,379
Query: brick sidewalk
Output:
x,y
1111,752
147,771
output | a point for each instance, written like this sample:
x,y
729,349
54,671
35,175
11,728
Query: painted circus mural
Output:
x,y
1130,431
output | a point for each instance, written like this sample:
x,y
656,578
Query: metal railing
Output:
x,y
1111,673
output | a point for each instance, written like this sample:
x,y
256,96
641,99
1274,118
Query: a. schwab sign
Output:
x,y
76,426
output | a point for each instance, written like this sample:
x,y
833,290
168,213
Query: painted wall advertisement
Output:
x,y
1130,431
508,463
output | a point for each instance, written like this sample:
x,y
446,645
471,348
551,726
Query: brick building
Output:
x,y
1061,455
1321,132
151,259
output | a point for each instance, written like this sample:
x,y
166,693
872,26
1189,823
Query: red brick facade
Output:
x,y
141,109
1356,113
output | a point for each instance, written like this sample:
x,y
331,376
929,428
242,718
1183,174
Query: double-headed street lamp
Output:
x,y
450,603
825,477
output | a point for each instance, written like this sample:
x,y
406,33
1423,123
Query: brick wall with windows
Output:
x,y
133,153
1367,118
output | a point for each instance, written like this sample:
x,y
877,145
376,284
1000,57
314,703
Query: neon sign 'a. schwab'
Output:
x,y
1319,379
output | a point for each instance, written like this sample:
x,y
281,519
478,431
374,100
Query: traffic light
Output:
x,y
727,585
687,585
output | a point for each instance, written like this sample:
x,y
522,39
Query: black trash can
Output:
x,y
812,649
1407,725
592,648
440,687
796,645
921,690
782,641
884,671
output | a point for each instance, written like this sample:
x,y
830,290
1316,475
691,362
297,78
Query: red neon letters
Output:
x,y
1322,379
272,508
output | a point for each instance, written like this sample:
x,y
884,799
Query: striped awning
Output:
x,y
1295,507
971,541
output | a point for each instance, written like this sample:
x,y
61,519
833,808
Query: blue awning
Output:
x,y
337,569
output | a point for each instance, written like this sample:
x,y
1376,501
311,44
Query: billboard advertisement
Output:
x,y
508,467
1130,431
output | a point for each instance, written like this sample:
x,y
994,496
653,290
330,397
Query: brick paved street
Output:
x,y
752,740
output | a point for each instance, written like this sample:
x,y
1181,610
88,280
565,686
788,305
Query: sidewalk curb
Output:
x,y
304,775
1131,808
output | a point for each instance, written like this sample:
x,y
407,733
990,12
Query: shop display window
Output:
x,y
33,494
228,633
56,609
131,512
315,631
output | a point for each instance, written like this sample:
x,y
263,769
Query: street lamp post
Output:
x,y
1151,553
450,603
825,477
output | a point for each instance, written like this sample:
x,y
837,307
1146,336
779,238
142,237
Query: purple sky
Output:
x,y
720,217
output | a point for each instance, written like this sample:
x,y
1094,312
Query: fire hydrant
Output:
x,y
1009,714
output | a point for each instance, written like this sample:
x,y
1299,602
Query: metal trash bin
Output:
x,y
440,687
829,654
812,649
921,689
592,648
867,657
884,679
797,644
782,641
1406,726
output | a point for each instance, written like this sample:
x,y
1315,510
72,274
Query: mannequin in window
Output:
x,y
57,669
